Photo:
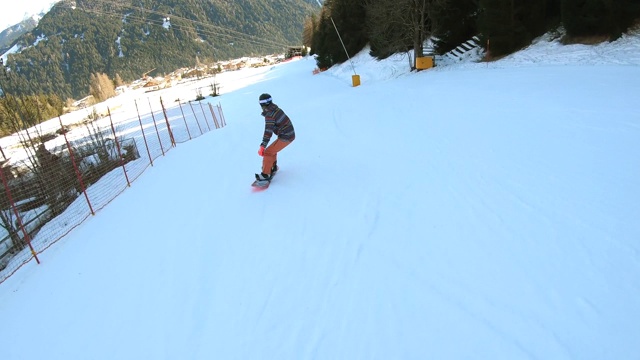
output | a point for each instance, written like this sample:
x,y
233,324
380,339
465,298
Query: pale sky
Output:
x,y
14,11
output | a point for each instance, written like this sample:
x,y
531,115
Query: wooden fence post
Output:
x,y
143,135
215,120
156,125
75,167
222,119
205,116
166,119
115,139
27,238
195,117
185,119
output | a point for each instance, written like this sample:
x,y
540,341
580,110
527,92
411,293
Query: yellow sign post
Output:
x,y
425,62
355,80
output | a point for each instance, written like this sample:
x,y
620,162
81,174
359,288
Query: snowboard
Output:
x,y
261,184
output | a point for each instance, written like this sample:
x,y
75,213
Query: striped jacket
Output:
x,y
276,122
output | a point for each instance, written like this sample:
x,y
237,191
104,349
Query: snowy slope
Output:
x,y
472,211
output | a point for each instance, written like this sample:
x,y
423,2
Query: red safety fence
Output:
x,y
75,168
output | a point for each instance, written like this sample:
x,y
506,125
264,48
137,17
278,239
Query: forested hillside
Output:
x,y
503,26
127,38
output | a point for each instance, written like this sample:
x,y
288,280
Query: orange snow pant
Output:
x,y
270,155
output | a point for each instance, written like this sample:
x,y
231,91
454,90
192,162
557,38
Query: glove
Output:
x,y
261,151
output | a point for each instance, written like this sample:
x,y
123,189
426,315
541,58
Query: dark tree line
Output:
x,y
19,113
391,26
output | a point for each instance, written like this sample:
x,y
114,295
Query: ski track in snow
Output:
x,y
470,211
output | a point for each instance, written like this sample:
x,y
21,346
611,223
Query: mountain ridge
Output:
x,y
14,29
12,33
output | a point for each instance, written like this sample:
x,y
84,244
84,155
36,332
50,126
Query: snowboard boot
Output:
x,y
274,168
263,177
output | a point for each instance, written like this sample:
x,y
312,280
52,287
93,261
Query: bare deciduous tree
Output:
x,y
400,25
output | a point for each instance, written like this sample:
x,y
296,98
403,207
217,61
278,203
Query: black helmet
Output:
x,y
265,99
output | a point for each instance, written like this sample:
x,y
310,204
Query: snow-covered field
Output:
x,y
470,211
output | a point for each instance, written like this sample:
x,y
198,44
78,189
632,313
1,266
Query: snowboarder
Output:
x,y
275,122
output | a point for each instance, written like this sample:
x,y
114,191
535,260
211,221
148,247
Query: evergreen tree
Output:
x,y
325,41
454,23
509,25
628,13
350,18
340,20
583,18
